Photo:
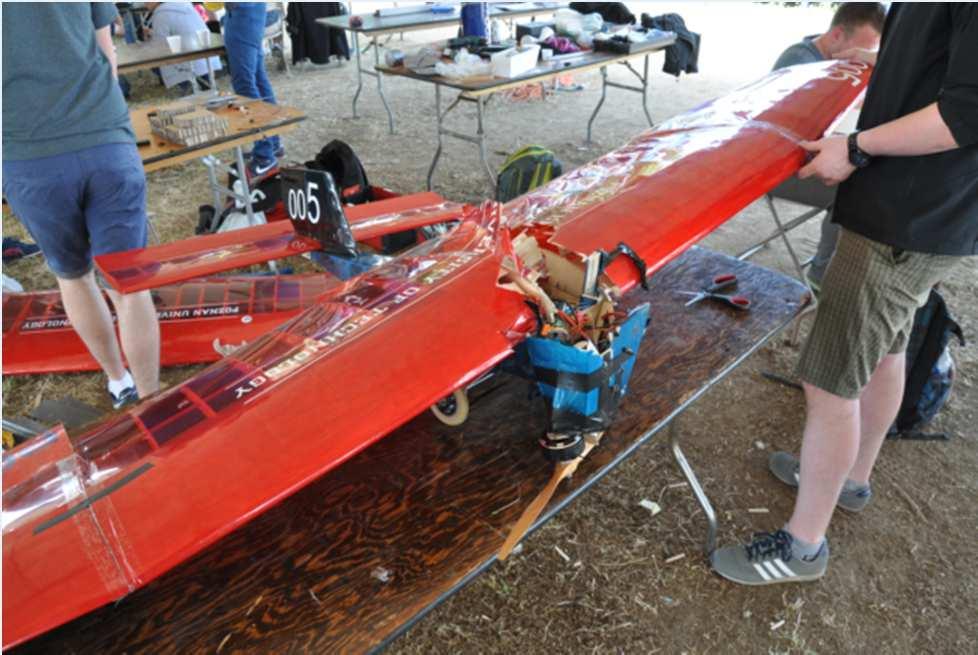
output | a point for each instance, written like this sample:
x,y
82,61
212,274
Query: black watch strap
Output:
x,y
857,156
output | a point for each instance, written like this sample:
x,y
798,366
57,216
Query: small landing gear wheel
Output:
x,y
562,447
452,410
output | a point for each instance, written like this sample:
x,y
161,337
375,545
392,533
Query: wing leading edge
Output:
x,y
671,186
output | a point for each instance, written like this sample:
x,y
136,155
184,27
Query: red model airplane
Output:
x,y
88,518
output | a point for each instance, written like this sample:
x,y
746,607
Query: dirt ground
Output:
x,y
902,577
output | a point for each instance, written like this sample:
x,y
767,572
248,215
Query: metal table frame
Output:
x,y
479,99
815,206
430,21
179,58
375,43
643,78
672,421
242,198
242,192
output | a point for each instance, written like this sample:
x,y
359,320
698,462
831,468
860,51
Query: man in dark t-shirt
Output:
x,y
908,207
73,176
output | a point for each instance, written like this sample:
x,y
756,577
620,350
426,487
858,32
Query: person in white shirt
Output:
x,y
181,19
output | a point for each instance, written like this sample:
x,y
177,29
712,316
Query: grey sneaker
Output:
x,y
768,560
786,467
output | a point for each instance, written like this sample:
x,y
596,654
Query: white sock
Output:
x,y
116,386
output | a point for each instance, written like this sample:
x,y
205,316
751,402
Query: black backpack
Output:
x,y
338,159
930,369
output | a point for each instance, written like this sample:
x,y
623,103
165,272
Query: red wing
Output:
x,y
673,185
193,463
146,268
200,320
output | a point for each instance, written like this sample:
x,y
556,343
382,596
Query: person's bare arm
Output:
x,y
103,36
946,124
923,132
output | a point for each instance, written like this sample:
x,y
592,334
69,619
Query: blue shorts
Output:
x,y
80,204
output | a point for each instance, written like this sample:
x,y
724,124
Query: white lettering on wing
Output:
x,y
355,324
848,70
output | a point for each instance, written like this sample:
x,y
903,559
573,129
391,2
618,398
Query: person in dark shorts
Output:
x,y
74,178
908,208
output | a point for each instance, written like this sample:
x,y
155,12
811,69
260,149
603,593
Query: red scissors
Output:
x,y
712,292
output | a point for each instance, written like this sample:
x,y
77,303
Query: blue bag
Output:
x,y
584,388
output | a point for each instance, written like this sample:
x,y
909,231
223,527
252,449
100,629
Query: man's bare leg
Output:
x,y
139,331
830,444
90,316
878,408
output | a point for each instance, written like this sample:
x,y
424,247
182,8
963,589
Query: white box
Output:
x,y
515,61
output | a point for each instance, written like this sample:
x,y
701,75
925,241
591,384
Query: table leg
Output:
x,y
356,95
212,178
438,118
480,106
694,483
789,226
285,60
645,92
245,189
787,243
153,233
210,76
793,337
604,93
380,86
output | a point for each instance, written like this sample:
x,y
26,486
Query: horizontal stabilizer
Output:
x,y
148,268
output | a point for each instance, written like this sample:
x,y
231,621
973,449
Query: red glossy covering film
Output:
x,y
147,268
200,320
670,187
256,426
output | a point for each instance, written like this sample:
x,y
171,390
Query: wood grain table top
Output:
x,y
351,561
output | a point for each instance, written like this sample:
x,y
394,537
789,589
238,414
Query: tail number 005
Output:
x,y
303,204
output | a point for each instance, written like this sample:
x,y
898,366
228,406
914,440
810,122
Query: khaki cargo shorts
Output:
x,y
869,296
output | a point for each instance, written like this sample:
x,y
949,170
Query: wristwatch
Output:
x,y
857,156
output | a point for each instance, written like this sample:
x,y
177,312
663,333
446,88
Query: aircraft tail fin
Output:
x,y
315,210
